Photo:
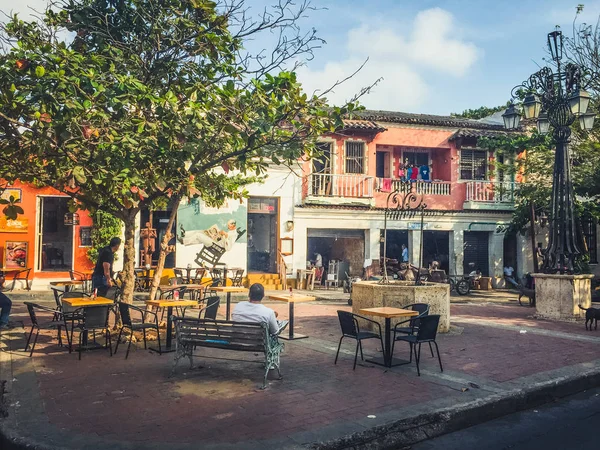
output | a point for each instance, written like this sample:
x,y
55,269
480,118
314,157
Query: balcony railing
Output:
x,y
334,185
423,187
491,191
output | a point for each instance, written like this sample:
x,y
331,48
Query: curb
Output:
x,y
412,430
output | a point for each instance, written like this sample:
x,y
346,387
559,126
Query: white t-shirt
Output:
x,y
508,271
255,313
319,261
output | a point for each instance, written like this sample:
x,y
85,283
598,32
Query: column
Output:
x,y
414,247
496,262
457,252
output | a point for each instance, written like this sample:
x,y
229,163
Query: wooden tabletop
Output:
x,y
67,283
388,312
13,269
191,286
294,298
87,301
171,303
228,289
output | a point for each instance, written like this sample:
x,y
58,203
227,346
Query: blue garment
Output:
x,y
405,255
5,306
424,170
99,282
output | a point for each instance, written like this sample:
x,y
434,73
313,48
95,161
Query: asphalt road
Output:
x,y
571,423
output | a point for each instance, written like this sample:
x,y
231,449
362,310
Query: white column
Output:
x,y
414,246
372,244
300,245
496,262
457,252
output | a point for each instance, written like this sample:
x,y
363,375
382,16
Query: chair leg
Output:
x,y
438,355
129,345
145,346
418,357
34,342
361,351
158,337
118,339
411,352
431,349
80,343
108,341
29,338
356,354
338,350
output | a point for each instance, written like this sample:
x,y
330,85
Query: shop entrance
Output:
x,y
55,239
263,215
160,220
436,247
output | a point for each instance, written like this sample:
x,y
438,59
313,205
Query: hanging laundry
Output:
x,y
424,170
414,174
386,185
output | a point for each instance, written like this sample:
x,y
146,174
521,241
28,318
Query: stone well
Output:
x,y
397,294
557,297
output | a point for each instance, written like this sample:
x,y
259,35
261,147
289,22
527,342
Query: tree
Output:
x,y
154,100
479,113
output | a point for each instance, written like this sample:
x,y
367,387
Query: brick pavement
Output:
x,y
133,403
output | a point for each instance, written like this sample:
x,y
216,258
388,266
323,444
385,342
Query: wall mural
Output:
x,y
215,231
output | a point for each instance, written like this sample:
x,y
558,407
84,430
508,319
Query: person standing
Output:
x,y
103,272
5,307
404,254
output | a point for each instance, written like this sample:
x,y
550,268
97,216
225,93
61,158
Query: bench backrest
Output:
x,y
251,337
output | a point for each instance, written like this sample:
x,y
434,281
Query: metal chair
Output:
x,y
125,312
56,323
413,323
238,277
427,333
351,328
93,318
211,309
80,276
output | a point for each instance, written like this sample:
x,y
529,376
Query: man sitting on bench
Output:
x,y
253,311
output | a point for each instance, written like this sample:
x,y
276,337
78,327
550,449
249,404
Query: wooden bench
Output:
x,y
226,335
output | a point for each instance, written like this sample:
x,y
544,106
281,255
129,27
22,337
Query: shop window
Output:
x,y
355,157
473,164
589,233
85,236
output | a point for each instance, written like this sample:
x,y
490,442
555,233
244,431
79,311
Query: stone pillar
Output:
x,y
558,297
300,246
457,255
372,244
496,262
414,242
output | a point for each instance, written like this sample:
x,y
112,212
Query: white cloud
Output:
x,y
402,57
25,8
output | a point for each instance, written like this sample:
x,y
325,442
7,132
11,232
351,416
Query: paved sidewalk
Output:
x,y
496,358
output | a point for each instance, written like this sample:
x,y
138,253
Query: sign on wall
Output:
x,y
20,225
15,254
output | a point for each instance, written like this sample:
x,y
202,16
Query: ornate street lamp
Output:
x,y
562,98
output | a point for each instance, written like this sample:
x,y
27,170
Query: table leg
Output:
x,y
169,327
228,306
387,351
292,336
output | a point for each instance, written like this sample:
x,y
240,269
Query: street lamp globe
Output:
x,y
586,121
511,117
579,102
531,106
543,124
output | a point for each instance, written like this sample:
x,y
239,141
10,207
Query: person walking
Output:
x,y
103,272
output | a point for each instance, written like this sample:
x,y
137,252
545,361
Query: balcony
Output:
x,y
424,188
490,194
328,188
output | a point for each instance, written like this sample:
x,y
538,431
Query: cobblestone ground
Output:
x,y
135,402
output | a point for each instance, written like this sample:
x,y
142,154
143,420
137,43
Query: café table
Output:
x,y
16,271
169,304
68,285
292,299
388,313
228,290
84,302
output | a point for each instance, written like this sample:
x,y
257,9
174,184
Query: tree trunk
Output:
x,y
129,255
165,248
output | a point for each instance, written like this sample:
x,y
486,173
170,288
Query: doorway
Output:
x,y
476,252
263,215
436,247
160,220
55,239
382,164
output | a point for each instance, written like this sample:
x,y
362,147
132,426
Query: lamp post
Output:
x,y
556,99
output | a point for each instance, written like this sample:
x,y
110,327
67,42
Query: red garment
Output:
x,y
414,173
386,185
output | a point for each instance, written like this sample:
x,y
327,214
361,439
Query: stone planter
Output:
x,y
558,297
397,294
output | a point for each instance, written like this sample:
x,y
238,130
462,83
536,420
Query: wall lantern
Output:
x,y
579,102
586,121
289,225
71,219
543,124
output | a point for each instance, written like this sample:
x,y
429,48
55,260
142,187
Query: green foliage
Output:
x,y
105,227
11,210
478,113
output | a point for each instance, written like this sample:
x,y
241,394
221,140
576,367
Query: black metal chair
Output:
x,y
427,333
211,309
92,318
238,277
79,276
57,323
351,328
125,312
413,322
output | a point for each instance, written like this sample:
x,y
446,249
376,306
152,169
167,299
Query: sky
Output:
x,y
432,56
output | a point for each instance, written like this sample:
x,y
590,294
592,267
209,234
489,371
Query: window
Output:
x,y
355,157
473,164
322,164
85,236
416,158
589,234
